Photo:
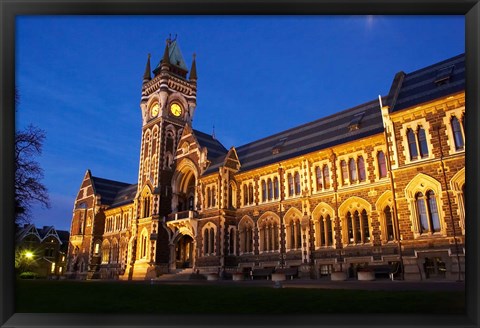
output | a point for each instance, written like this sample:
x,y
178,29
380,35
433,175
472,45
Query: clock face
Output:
x,y
175,109
154,110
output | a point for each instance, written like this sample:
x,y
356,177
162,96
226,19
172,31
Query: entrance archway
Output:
x,y
184,252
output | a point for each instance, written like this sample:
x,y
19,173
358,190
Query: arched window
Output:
x,y
211,247
276,190
358,229
457,134
361,169
214,198
290,184
344,168
106,252
326,176
146,207
412,144
427,212
388,223
382,164
422,142
319,178
269,235
324,233
246,236
297,183
352,167
264,191
270,189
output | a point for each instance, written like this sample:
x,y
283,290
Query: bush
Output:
x,y
28,275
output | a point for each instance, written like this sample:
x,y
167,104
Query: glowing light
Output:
x,y
28,254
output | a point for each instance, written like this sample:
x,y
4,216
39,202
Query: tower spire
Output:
x,y
146,76
193,69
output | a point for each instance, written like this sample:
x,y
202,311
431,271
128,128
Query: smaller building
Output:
x,y
43,251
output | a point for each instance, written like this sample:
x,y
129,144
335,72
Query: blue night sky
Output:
x,y
79,79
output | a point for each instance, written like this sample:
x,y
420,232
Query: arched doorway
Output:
x,y
184,252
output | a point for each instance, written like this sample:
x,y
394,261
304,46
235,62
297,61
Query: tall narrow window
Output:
x,y
209,197
319,178
276,191
298,230
352,166
361,169
297,183
412,144
388,223
269,189
212,241
382,165
328,222
245,195
292,234
214,197
264,191
422,142
290,184
351,240
250,193
433,211
343,165
232,242
365,227
357,227
457,134
205,241
422,212
326,176
321,230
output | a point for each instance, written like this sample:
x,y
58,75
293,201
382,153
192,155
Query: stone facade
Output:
x,y
382,183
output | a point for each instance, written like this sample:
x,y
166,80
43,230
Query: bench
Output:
x,y
389,270
261,273
290,273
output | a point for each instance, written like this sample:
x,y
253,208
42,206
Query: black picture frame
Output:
x,y
9,9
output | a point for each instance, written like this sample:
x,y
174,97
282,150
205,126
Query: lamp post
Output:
x,y
392,186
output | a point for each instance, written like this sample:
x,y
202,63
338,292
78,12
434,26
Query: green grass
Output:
x,y
37,296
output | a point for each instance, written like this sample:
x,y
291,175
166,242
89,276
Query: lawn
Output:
x,y
39,296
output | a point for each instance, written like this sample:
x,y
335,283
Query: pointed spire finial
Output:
x,y
166,56
193,69
213,132
146,75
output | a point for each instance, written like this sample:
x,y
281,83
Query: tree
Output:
x,y
28,173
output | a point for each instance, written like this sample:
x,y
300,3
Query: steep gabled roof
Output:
x,y
433,82
351,124
214,147
107,189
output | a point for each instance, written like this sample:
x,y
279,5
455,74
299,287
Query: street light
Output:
x,y
28,255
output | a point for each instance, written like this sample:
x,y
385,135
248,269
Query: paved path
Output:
x,y
327,284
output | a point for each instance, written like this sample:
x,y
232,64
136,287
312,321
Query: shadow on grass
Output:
x,y
41,296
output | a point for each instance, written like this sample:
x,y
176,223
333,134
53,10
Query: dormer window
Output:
x,y
444,74
355,122
278,146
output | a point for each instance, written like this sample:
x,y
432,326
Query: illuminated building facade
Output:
x,y
327,196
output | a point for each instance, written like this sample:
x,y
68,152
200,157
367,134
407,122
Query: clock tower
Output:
x,y
167,103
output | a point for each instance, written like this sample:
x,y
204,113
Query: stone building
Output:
x,y
41,250
376,184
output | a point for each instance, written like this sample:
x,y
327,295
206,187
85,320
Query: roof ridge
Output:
x,y
311,122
